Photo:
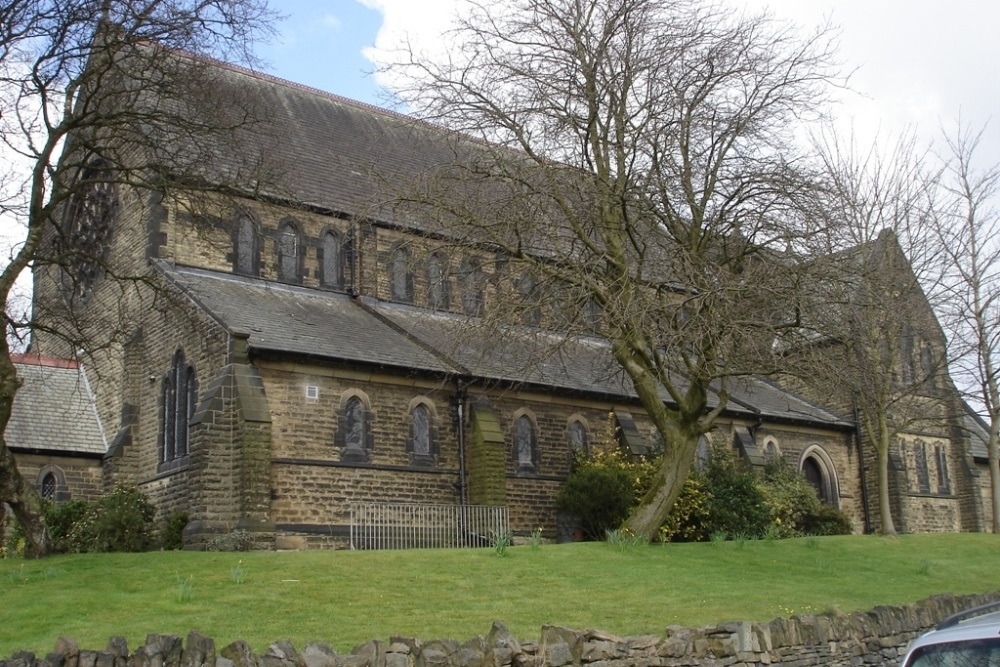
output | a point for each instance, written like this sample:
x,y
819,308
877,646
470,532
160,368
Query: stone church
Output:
x,y
302,371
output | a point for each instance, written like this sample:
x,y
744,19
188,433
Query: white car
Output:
x,y
967,639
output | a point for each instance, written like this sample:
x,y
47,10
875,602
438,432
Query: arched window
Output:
x,y
525,444
354,431
593,316
943,480
48,487
245,250
51,484
527,288
422,443
420,431
437,282
771,452
401,276
288,252
702,454
333,260
656,445
178,401
88,228
579,440
472,286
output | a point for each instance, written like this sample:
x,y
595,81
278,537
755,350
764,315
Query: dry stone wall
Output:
x,y
876,637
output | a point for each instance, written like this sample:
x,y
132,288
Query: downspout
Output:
x,y
866,509
460,427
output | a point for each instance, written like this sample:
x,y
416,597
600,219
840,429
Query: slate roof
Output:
x,y
978,431
336,327
54,409
582,364
328,151
304,321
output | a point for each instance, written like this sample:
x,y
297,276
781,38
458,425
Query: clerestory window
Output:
x,y
288,252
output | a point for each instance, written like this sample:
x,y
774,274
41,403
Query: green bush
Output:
x,y
794,506
826,520
736,506
690,514
61,518
172,534
121,520
600,497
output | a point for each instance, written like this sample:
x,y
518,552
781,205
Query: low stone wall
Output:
x,y
876,637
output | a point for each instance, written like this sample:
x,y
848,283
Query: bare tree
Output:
x,y
968,229
869,337
639,161
96,96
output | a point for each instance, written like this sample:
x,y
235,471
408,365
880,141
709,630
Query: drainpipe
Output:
x,y
460,405
866,509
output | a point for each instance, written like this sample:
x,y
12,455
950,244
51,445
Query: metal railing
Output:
x,y
411,526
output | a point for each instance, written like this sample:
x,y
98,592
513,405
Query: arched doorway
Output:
x,y
817,467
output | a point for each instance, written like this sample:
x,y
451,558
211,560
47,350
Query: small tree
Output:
x,y
640,163
968,228
867,304
94,99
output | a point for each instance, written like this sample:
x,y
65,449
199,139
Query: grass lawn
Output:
x,y
346,598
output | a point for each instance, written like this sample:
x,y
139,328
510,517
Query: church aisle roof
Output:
x,y
300,320
54,409
521,354
331,325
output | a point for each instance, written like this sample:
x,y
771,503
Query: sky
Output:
x,y
918,64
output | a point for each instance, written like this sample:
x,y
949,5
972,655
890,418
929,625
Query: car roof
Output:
x,y
981,622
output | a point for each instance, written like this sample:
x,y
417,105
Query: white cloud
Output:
x,y
333,22
419,24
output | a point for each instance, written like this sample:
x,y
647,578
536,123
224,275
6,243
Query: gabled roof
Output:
x,y
328,151
331,326
978,432
54,409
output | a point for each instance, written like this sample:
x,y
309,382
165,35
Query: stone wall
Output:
x,y
876,637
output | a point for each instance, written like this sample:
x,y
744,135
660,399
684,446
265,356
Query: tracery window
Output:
x,y
702,454
437,282
178,401
88,228
422,443
922,470
48,490
333,260
288,252
246,246
943,480
528,289
401,275
472,286
354,431
525,444
579,440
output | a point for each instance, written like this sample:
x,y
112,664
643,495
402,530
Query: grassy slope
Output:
x,y
346,598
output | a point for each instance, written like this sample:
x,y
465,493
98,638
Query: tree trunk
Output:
x,y
655,507
884,509
23,498
994,464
